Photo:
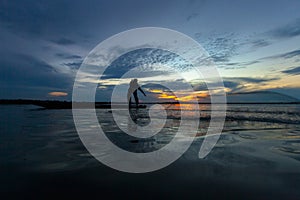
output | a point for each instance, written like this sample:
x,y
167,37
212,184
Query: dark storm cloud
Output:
x,y
22,71
294,71
287,31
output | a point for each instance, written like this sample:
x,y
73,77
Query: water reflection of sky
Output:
x,y
47,140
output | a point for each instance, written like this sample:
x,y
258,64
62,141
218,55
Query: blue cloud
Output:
x,y
294,71
146,57
67,56
192,16
220,47
21,73
258,43
291,54
251,80
73,65
235,84
290,30
64,41
287,55
239,65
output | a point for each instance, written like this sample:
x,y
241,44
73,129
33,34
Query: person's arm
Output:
x,y
140,89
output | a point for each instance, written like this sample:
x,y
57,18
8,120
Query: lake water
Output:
x,y
257,156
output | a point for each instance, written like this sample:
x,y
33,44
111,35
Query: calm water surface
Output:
x,y
257,156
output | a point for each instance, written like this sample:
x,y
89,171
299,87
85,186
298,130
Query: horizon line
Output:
x,y
29,101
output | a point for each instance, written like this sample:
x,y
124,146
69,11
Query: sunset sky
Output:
x,y
255,44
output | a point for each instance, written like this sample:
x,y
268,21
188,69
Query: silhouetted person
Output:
x,y
133,87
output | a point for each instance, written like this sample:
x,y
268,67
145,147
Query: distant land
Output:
x,y
260,97
236,98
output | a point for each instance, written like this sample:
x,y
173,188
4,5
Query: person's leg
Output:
x,y
136,98
129,102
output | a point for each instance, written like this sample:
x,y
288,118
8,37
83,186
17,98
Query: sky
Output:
x,y
254,44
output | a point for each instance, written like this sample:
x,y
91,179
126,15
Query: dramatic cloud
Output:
x,y
21,73
67,56
291,54
295,71
287,31
235,84
287,55
44,42
258,43
251,80
220,47
148,62
238,65
73,65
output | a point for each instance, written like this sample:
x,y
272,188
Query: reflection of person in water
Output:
x,y
133,87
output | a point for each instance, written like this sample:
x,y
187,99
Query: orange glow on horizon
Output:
x,y
194,96
156,91
58,94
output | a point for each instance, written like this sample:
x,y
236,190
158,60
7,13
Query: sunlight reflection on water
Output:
x,y
47,139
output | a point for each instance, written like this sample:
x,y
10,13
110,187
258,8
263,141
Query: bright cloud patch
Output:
x,y
58,94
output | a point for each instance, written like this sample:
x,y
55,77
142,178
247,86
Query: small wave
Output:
x,y
289,149
264,119
266,112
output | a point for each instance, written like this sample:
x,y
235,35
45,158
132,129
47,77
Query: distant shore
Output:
x,y
56,104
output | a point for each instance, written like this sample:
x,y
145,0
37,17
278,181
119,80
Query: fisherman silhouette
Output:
x,y
133,87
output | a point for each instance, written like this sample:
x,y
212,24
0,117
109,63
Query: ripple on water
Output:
x,y
292,134
295,132
291,147
227,139
247,136
54,166
68,165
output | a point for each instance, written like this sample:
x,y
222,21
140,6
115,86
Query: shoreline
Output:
x,y
56,104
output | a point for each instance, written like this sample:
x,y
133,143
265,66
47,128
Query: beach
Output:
x,y
189,99
256,157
